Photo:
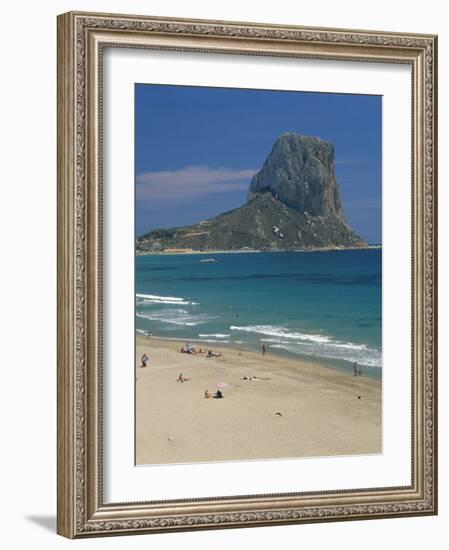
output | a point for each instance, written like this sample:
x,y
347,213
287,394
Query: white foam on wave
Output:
x,y
168,303
314,345
180,317
335,343
162,300
362,354
211,341
281,332
214,335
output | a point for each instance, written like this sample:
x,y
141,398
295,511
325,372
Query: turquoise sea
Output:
x,y
323,306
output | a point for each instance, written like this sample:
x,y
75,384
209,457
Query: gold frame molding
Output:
x,y
81,39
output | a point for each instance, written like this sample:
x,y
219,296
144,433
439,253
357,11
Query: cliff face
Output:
x,y
299,172
293,203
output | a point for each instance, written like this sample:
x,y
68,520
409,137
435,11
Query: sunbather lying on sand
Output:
x,y
182,378
253,378
188,348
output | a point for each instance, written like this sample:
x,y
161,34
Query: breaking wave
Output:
x,y
314,345
214,335
180,317
281,332
162,300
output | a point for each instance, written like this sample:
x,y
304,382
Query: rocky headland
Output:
x,y
293,203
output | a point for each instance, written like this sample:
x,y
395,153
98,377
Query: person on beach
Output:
x,y
264,349
218,395
144,360
357,371
182,378
207,394
188,348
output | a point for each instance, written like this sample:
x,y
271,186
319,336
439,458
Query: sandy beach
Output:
x,y
289,409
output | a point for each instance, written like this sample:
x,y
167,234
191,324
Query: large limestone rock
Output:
x,y
299,172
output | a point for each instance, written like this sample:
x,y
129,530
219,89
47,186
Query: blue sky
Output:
x,y
197,149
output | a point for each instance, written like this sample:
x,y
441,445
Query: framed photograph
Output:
x,y
246,274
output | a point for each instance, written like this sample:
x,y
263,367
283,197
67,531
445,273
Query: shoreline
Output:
x,y
273,407
333,364
187,252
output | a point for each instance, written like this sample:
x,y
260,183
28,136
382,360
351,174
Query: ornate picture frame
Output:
x,y
82,39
